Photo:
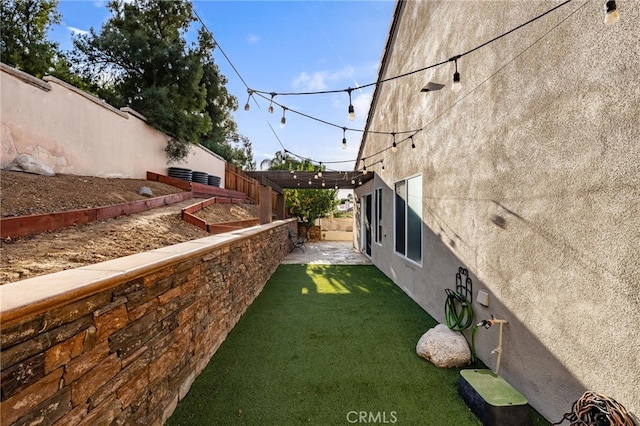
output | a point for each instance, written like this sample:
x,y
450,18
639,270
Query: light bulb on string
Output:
x,y
352,112
344,138
394,145
336,187
456,86
353,181
413,145
323,183
271,103
611,14
320,170
247,107
283,120
382,162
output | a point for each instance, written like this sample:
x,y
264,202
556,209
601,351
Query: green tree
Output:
x,y
310,204
141,59
23,42
281,161
224,140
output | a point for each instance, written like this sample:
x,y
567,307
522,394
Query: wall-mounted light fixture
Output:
x,y
431,87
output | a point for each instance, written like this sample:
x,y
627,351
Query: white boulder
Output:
x,y
26,163
444,347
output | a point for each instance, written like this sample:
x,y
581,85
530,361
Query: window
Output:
x,y
377,216
408,218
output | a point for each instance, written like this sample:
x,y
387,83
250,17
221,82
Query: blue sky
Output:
x,y
285,46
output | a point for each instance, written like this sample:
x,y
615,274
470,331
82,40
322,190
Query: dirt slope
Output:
x,y
23,194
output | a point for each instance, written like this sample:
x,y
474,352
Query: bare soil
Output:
x,y
26,194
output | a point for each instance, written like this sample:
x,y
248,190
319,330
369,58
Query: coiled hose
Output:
x,y
593,409
459,316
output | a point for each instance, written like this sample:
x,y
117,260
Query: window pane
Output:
x,y
400,217
414,218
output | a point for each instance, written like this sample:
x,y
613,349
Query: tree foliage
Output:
x,y
282,161
310,204
23,42
141,59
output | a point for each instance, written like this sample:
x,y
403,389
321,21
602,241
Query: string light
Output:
x,y
271,103
413,145
283,120
247,107
352,112
320,170
611,14
344,138
456,86
394,145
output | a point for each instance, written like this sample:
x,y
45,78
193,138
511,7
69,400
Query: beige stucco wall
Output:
x,y
531,180
75,133
336,228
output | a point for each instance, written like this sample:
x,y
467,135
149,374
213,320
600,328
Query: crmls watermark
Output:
x,y
372,417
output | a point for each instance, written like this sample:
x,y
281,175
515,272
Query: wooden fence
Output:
x,y
237,180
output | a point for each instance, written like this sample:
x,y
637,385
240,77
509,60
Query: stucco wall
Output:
x,y
76,133
531,180
122,341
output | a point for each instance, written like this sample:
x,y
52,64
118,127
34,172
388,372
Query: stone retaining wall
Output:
x,y
122,341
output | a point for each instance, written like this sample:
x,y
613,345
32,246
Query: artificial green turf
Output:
x,y
319,343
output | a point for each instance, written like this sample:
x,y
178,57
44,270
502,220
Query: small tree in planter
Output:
x,y
310,204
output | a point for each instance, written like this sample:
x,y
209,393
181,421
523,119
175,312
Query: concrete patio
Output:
x,y
327,253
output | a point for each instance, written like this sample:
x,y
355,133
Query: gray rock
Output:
x,y
445,348
28,164
146,191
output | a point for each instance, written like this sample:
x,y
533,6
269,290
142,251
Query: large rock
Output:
x,y
26,163
445,348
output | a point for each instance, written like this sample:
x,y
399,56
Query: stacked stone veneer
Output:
x,y
121,342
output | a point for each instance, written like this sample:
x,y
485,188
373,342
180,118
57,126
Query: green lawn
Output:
x,y
325,345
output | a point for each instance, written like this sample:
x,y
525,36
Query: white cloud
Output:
x,y
77,30
361,104
253,38
320,80
311,82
